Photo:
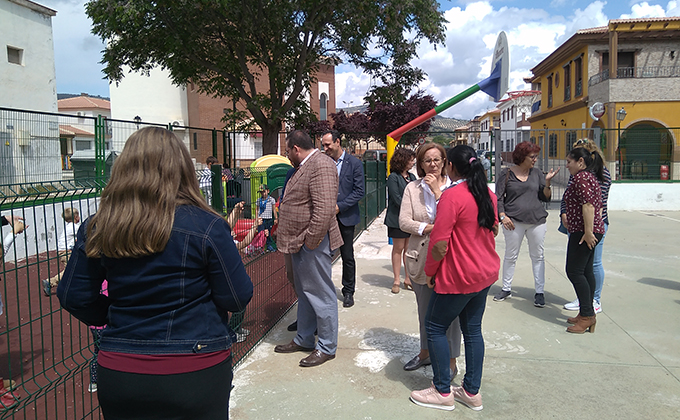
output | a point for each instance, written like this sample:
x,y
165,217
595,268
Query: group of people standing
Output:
x,y
444,233
174,273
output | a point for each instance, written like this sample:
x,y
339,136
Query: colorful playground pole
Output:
x,y
495,86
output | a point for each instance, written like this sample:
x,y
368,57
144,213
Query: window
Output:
x,y
625,64
567,82
578,77
571,139
83,145
552,145
550,85
195,141
323,107
15,55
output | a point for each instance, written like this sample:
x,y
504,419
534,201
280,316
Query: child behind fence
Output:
x,y
64,246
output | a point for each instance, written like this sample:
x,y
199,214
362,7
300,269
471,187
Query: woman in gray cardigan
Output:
x,y
418,210
520,190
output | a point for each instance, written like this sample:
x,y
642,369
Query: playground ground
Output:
x,y
628,369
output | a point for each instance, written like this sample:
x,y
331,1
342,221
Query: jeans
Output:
x,y
598,270
513,241
453,334
442,310
580,271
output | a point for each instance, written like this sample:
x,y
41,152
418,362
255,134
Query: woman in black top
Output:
x,y
402,160
520,190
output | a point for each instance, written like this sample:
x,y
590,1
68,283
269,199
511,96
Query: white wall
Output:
x,y
641,197
44,225
644,196
31,85
153,98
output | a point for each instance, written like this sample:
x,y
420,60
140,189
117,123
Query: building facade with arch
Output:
x,y
639,86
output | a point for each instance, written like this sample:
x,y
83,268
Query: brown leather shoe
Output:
x,y
291,347
316,358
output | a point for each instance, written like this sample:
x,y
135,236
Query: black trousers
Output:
x,y
349,266
200,395
580,271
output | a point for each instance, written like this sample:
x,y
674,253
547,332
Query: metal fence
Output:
x,y
45,354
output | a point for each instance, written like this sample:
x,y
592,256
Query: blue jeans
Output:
x,y
441,311
598,270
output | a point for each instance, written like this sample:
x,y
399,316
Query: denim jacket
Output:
x,y
173,302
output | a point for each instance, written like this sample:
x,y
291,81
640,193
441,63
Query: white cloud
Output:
x,y
673,8
351,85
644,10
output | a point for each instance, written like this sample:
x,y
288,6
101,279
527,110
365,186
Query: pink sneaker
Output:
x,y
430,397
474,402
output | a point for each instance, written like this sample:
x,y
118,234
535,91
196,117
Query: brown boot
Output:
x,y
583,324
575,319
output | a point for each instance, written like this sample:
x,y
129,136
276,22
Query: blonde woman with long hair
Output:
x,y
173,275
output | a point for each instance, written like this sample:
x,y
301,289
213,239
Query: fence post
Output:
x,y
495,152
99,147
217,202
214,142
224,149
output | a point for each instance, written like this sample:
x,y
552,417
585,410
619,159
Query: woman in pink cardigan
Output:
x,y
462,264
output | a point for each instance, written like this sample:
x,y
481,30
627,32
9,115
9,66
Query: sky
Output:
x,y
534,29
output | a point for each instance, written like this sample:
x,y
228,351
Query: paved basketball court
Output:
x,y
628,369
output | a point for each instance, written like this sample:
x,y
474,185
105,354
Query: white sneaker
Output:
x,y
92,387
572,306
597,306
431,398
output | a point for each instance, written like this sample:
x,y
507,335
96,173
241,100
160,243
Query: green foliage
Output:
x,y
264,53
441,139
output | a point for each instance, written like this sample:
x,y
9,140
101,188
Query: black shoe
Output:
x,y
417,362
539,300
348,302
293,326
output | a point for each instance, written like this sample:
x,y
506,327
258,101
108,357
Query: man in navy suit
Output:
x,y
350,191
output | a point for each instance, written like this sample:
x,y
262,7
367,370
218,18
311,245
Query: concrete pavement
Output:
x,y
628,369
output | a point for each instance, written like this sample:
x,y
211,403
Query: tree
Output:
x,y
354,127
386,117
225,47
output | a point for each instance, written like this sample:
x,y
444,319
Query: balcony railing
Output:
x,y
637,73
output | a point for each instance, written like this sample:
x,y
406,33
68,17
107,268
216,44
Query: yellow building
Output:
x,y
640,83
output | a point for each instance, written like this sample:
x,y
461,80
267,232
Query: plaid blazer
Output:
x,y
307,211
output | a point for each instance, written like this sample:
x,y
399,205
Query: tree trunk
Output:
x,y
270,138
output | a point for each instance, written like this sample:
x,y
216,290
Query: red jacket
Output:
x,y
470,262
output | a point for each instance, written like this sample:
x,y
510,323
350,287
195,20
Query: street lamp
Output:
x,y
348,104
137,120
620,116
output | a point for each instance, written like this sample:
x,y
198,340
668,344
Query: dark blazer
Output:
x,y
350,190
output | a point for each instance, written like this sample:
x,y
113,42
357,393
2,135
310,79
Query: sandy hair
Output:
x,y
153,175
69,214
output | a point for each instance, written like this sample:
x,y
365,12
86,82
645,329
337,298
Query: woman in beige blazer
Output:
x,y
418,210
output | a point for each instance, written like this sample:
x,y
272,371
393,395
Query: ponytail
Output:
x,y
464,159
593,161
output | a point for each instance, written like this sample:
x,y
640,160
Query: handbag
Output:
x,y
414,258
